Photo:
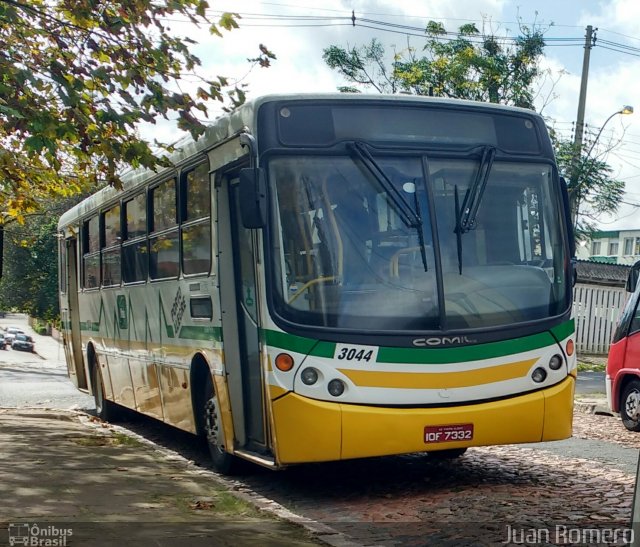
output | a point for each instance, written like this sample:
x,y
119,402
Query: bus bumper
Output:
x,y
308,430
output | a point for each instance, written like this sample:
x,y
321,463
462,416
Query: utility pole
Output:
x,y
577,140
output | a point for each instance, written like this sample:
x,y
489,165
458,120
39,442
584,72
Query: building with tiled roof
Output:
x,y
592,272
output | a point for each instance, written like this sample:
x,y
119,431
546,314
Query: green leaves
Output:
x,y
593,190
466,65
77,77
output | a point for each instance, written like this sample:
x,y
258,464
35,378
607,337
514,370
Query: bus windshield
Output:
x,y
374,243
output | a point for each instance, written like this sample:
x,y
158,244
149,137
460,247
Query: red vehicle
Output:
x,y
623,364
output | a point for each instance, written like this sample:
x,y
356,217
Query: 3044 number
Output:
x,y
354,354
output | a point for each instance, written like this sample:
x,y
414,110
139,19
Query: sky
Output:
x,y
297,31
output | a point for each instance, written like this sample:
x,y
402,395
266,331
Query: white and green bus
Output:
x,y
325,277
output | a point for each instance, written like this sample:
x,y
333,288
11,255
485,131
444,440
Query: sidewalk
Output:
x,y
64,473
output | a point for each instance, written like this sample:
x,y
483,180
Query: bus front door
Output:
x,y
240,321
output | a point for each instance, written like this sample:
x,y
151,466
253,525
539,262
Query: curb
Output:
x,y
593,407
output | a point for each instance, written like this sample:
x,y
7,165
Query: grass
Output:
x,y
588,366
219,501
115,439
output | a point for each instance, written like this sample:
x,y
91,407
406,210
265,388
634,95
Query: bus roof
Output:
x,y
244,120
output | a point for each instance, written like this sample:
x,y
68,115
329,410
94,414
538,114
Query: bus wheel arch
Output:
x,y
198,376
630,403
105,410
207,416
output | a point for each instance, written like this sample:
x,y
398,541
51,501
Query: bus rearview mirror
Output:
x,y
253,197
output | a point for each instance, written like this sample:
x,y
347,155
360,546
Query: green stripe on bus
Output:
x,y
436,356
201,333
428,355
299,344
565,330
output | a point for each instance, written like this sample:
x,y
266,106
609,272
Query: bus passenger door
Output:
x,y
71,318
240,321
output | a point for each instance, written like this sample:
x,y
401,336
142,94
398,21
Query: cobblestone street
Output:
x,y
418,500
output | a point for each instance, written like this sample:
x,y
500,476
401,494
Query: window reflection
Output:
x,y
164,206
347,259
164,256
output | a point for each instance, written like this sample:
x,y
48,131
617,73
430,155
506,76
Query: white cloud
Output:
x,y
613,78
615,15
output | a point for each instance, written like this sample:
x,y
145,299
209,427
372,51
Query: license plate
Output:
x,y
447,433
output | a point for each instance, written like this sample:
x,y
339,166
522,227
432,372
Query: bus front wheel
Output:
x,y
630,406
105,410
223,462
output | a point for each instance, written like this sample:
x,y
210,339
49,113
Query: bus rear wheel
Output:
x,y
223,462
105,410
630,406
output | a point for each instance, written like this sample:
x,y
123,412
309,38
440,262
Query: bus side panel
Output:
x,y
123,392
144,378
178,410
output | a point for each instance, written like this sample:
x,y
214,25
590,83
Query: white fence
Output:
x,y
596,310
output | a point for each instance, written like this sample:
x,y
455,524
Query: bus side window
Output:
x,y
110,253
91,253
195,231
163,241
135,249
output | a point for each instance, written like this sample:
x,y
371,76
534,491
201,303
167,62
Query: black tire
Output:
x,y
223,462
105,410
630,405
449,454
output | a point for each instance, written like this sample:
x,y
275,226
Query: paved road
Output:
x,y
590,383
578,484
37,379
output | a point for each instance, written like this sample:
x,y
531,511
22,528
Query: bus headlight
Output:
x,y
555,362
336,387
309,376
539,375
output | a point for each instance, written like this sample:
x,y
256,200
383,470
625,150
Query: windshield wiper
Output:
x,y
473,197
466,215
412,218
458,230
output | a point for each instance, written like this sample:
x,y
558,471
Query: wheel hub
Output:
x,y
632,405
211,413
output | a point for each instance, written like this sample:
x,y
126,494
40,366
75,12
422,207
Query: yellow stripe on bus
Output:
x,y
438,380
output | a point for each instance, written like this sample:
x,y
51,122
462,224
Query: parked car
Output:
x,y
22,342
3,342
10,334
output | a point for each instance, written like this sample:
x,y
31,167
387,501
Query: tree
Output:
x,y
30,266
480,66
77,77
470,64
595,191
